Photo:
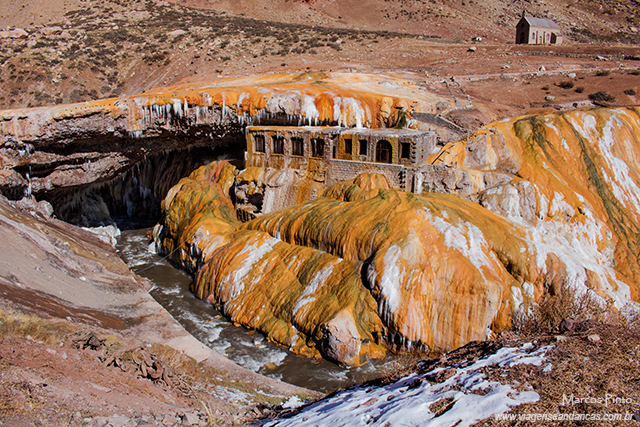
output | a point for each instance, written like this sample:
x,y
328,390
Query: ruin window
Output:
x,y
335,152
363,147
258,141
317,147
297,146
347,146
383,151
278,145
405,150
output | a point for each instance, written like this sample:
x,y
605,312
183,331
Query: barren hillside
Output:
x,y
72,50
585,21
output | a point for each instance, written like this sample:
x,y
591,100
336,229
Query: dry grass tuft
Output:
x,y
546,316
566,84
601,96
603,374
39,329
400,367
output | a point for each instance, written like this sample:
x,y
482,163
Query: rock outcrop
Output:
x,y
71,146
570,180
539,204
360,269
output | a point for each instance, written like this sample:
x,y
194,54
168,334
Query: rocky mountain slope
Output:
x,y
585,21
74,320
71,51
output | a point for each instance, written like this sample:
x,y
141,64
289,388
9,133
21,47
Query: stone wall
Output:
x,y
399,176
343,156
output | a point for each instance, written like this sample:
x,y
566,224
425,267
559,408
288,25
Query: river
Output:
x,y
247,348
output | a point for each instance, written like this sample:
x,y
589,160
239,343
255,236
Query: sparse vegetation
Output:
x,y
630,92
566,84
601,97
556,305
603,73
39,329
579,89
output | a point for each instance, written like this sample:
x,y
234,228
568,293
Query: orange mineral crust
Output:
x,y
349,276
572,180
347,99
537,204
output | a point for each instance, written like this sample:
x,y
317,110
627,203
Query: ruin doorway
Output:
x,y
383,151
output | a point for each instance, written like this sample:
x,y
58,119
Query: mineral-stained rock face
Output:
x,y
570,180
300,297
50,151
548,202
360,268
436,264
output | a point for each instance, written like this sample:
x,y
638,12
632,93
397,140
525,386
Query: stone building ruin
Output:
x,y
334,154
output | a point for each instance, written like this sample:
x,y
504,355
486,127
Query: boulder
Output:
x,y
17,33
341,340
49,31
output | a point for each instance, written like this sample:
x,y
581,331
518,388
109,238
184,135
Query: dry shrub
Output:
x,y
579,89
545,317
400,367
18,399
601,97
584,368
566,84
39,329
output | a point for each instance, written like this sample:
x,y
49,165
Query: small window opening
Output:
x,y
363,147
278,144
405,150
258,141
297,146
317,147
347,146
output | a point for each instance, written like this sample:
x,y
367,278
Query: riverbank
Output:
x,y
57,277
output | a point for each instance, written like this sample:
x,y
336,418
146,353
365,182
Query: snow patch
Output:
x,y
407,401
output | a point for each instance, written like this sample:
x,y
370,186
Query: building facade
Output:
x,y
537,31
335,154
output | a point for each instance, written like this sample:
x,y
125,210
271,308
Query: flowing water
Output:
x,y
247,348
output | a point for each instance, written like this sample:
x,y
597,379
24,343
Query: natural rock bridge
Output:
x,y
54,152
